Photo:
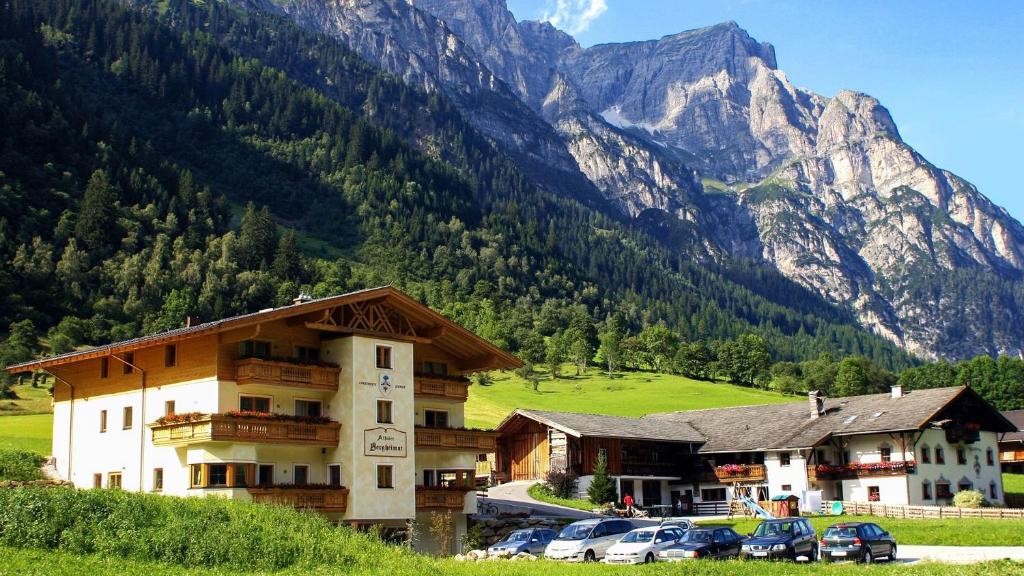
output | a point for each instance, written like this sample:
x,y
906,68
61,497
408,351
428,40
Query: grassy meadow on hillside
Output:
x,y
28,400
625,394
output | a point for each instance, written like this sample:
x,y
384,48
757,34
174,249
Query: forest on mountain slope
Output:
x,y
194,159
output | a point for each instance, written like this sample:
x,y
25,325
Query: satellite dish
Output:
x,y
837,508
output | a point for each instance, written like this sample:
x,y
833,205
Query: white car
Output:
x,y
643,544
587,540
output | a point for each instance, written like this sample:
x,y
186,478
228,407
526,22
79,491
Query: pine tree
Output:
x,y
602,488
97,217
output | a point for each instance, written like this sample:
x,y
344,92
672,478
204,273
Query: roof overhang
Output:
x,y
439,330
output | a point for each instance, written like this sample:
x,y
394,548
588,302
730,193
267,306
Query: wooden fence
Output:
x,y
900,511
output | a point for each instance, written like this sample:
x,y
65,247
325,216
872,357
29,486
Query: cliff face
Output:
x,y
703,126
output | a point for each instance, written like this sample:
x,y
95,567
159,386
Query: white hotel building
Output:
x,y
351,405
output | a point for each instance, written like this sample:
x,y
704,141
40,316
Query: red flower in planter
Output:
x,y
734,469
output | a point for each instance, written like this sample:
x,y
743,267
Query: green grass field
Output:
x,y
1013,483
930,532
627,394
32,432
30,562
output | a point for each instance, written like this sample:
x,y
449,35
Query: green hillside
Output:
x,y
32,432
132,137
626,394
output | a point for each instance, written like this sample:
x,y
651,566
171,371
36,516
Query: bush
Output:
x,y
969,499
561,483
189,532
20,465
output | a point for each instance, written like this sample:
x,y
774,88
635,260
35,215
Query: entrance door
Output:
x,y
652,492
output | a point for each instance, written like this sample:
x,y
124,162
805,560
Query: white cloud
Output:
x,y
573,16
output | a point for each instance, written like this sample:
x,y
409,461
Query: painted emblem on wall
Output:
x,y
383,441
385,384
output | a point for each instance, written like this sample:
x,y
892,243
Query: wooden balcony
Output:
x,y
475,441
224,428
841,472
444,388
431,497
326,499
1011,456
733,473
259,371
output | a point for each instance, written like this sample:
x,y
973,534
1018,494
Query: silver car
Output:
x,y
532,540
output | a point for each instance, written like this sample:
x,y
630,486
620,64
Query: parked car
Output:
x,y
860,541
643,544
684,523
532,540
587,540
703,542
782,538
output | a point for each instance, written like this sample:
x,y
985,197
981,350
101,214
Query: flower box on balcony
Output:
x,y
239,426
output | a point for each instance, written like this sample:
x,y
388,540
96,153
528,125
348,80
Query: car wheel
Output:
x,y
649,558
589,556
868,559
814,554
892,554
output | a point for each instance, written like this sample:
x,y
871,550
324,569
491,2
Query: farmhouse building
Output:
x,y
351,405
918,447
1011,444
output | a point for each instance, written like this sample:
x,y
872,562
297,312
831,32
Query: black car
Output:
x,y
704,542
859,541
782,539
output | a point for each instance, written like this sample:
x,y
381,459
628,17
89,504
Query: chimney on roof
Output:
x,y
817,403
302,297
897,391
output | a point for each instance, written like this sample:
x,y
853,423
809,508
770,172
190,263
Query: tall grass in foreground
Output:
x,y
191,532
20,465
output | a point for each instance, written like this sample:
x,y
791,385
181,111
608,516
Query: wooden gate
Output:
x,y
529,456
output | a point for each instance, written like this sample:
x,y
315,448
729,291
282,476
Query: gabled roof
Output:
x,y
450,337
790,426
773,426
603,426
1016,417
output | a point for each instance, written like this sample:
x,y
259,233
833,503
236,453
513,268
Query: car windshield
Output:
x,y
575,532
518,536
697,536
774,529
639,536
841,532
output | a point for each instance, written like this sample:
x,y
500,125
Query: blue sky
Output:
x,y
951,73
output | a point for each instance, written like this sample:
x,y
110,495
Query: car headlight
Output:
x,y
663,554
745,547
778,547
690,554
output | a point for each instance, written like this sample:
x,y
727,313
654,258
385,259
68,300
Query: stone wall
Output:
x,y
494,529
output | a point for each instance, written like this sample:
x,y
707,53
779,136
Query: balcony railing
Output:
x,y
259,371
740,473
859,470
447,388
435,497
224,428
330,499
476,441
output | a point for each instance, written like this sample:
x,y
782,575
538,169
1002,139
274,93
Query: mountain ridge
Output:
x,y
643,119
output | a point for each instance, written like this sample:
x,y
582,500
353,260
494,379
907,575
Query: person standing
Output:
x,y
628,502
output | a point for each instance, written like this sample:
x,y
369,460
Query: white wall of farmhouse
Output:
x,y
793,475
977,471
